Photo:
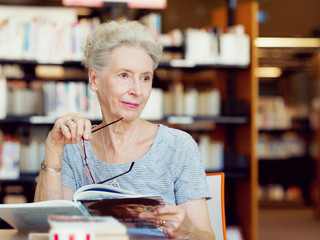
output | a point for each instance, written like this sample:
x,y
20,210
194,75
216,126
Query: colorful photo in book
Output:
x,y
126,210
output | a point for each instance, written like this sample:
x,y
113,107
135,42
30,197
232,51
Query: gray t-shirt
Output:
x,y
172,168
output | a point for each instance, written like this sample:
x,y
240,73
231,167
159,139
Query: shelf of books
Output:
x,y
208,91
284,146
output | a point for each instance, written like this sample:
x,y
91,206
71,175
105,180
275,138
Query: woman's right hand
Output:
x,y
69,129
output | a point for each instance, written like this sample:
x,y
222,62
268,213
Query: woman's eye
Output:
x,y
146,78
124,75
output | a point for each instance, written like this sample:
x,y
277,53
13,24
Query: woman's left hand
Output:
x,y
173,221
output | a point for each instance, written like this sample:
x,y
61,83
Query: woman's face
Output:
x,y
124,86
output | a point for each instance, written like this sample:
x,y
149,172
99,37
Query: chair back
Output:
x,y
216,206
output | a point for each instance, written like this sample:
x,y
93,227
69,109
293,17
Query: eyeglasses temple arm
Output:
x,y
107,125
131,166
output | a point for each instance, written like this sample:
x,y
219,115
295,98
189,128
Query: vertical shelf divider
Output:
x,y
245,136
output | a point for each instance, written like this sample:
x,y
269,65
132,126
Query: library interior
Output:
x,y
242,77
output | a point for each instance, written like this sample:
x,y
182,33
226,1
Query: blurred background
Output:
x,y
242,77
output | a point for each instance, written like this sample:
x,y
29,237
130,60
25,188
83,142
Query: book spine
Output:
x,y
191,102
3,97
84,212
178,98
212,153
9,160
154,108
28,33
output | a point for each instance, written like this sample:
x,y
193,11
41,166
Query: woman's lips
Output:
x,y
131,105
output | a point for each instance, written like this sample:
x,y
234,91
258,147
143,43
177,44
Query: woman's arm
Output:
x,y
187,220
67,129
197,211
49,185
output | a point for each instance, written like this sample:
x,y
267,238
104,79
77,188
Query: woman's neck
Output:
x,y
120,140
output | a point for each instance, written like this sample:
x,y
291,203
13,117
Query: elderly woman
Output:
x,y
121,58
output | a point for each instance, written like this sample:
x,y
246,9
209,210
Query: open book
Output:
x,y
89,200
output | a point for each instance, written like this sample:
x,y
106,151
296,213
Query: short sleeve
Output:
x,y
191,182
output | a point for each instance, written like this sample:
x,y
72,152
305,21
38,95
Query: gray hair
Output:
x,y
113,34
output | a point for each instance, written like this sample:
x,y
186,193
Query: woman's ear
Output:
x,y
93,80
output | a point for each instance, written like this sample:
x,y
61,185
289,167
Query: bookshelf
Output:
x,y
244,137
284,158
316,128
237,131
285,133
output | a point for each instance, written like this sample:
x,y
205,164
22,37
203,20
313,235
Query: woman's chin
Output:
x,y
130,117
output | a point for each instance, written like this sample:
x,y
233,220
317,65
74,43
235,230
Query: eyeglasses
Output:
x,y
82,147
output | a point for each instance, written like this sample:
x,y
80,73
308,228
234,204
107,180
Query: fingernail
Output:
x,y
87,136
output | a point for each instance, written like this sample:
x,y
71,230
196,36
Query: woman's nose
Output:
x,y
135,87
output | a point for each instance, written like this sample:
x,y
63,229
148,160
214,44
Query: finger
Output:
x,y
65,131
161,213
58,125
87,135
148,216
155,220
67,121
83,128
73,130
79,128
167,210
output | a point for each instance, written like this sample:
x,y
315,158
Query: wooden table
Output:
x,y
13,235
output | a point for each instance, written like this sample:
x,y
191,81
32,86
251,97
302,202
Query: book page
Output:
x,y
53,203
125,210
93,195
33,216
95,191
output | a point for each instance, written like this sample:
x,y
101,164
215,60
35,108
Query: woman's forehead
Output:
x,y
128,57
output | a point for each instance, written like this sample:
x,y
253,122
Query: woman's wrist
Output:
x,y
53,146
203,235
53,154
48,169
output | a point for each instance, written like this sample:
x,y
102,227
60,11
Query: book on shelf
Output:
x,y
18,91
47,35
89,200
154,109
153,22
63,97
284,146
178,96
273,113
9,156
211,153
3,97
191,102
11,71
212,46
155,4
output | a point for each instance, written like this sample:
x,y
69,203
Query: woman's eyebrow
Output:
x,y
123,70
